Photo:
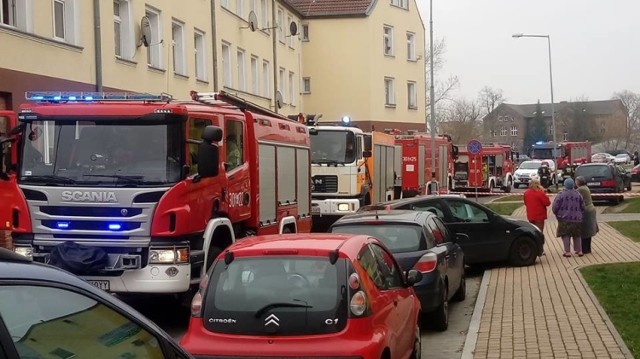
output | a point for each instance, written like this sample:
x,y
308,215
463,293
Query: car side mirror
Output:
x,y
459,237
413,276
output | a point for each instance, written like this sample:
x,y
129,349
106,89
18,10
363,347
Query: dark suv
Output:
x,y
605,178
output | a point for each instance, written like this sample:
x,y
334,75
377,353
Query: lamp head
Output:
x,y
517,36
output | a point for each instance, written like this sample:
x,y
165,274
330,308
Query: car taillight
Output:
x,y
358,303
196,302
427,263
608,183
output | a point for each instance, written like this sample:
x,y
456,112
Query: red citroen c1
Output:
x,y
318,295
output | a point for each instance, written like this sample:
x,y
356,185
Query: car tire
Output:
x,y
523,252
440,316
417,344
516,185
461,293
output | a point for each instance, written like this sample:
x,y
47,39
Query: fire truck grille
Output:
x,y
90,211
91,225
325,184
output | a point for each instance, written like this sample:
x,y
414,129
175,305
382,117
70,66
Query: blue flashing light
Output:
x,y
88,98
539,142
346,120
115,226
72,98
62,225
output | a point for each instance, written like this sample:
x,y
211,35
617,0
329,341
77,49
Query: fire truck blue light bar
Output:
x,y
57,96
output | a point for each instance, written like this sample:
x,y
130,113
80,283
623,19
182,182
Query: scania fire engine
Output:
x,y
160,186
567,153
492,168
349,168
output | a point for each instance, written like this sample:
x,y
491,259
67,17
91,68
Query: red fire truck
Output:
x,y
158,187
492,168
416,162
568,153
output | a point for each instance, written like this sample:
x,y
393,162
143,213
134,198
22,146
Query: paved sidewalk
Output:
x,y
546,310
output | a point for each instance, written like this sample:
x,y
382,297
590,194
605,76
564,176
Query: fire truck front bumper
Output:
x,y
334,206
154,278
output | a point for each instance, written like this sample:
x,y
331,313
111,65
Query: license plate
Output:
x,y
101,284
593,183
315,209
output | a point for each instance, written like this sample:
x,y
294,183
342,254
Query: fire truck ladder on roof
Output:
x,y
223,97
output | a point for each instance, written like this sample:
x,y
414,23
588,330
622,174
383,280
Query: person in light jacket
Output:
x,y
589,220
568,208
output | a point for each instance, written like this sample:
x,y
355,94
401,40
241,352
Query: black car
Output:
x,y
605,178
635,174
491,237
418,240
46,312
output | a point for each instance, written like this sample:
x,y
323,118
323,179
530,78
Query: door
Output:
x,y
455,257
236,163
9,191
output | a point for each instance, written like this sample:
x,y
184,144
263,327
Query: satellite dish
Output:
x,y
279,99
293,28
145,32
253,21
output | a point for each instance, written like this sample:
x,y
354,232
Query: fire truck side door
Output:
x,y
237,164
8,185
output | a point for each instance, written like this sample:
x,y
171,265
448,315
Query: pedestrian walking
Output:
x,y
536,202
589,220
568,208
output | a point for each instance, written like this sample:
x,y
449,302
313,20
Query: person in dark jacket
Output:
x,y
536,202
568,208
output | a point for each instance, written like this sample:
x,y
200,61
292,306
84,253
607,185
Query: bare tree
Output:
x,y
490,98
631,102
462,119
442,88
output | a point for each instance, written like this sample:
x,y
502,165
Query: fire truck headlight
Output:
x,y
25,251
164,256
343,207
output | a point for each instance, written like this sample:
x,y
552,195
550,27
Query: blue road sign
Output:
x,y
474,147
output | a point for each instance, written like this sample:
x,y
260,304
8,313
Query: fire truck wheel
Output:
x,y
523,252
507,188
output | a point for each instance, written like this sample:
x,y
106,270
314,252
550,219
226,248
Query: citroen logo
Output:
x,y
272,319
124,212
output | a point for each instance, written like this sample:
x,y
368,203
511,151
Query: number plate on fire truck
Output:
x,y
102,284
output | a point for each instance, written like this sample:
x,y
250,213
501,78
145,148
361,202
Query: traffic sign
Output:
x,y
474,147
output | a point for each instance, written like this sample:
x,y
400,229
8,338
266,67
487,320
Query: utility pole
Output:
x,y
432,120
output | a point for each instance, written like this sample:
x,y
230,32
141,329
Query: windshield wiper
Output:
x,y
50,179
130,179
280,305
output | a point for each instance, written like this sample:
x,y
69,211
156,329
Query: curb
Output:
x,y
614,332
474,327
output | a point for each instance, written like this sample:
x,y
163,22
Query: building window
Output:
x,y
388,40
59,19
305,32
493,133
122,29
63,20
177,44
266,79
400,3
255,74
550,130
565,136
8,12
226,65
292,89
16,13
289,35
224,3
253,6
389,95
281,25
514,131
412,95
503,132
154,50
200,54
411,46
242,81
264,13
306,85
240,8
281,84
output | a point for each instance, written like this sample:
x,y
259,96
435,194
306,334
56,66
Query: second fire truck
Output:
x,y
568,153
492,169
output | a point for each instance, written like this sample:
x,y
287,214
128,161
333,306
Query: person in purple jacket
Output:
x,y
569,208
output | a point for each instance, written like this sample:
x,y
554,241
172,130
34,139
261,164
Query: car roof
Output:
x,y
393,215
403,201
310,244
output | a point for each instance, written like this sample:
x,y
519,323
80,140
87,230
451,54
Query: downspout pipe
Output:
x,y
274,34
214,36
97,37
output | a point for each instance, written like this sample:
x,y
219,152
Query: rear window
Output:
x,y
599,172
397,237
301,292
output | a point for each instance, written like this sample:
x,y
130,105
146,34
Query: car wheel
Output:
x,y
417,344
440,316
516,185
461,293
523,252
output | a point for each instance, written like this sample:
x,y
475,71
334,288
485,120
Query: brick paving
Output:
x,y
546,310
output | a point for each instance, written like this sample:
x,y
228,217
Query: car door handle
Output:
x,y
395,303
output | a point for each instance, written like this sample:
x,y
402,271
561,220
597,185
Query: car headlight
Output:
x,y
165,256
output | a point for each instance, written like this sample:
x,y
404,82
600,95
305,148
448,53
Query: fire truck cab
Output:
x,y
567,154
491,169
156,188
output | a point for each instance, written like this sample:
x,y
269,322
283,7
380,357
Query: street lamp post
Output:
x,y
553,112
432,185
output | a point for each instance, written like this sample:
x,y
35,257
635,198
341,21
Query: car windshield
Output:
x,y
336,147
396,236
104,153
530,165
597,172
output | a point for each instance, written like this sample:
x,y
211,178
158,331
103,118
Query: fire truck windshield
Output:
x,y
101,153
333,147
542,153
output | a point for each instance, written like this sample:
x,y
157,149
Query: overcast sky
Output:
x,y
595,46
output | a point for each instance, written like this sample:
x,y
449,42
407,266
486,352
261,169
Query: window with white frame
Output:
x,y
550,130
281,25
16,13
64,21
200,55
503,131
288,31
400,3
224,3
242,79
264,13
154,50
255,75
123,29
253,6
388,40
305,32
240,8
281,84
306,85
292,88
389,94
514,131
411,46
226,65
565,136
177,45
412,95
266,79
